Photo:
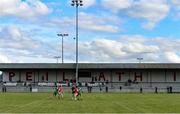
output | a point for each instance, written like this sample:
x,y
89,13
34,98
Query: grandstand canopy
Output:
x,y
4,66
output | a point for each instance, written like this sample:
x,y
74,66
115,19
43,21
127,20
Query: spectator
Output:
x,y
129,81
156,90
170,89
167,89
106,89
100,88
24,83
68,84
30,88
4,89
141,90
90,89
120,88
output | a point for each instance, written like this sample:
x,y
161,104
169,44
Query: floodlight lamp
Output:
x,y
73,3
65,34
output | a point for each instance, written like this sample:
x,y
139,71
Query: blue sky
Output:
x,y
109,31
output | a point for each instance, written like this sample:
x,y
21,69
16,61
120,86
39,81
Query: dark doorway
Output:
x,y
84,76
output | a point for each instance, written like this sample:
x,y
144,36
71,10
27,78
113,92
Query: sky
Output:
x,y
110,31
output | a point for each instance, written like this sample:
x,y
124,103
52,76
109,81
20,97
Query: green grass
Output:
x,y
92,103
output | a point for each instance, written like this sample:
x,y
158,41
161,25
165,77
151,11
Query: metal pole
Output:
x,y
76,43
62,36
77,3
62,51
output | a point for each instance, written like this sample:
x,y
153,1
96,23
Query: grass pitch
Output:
x,y
91,103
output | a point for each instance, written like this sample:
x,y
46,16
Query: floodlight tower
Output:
x,y
77,4
62,36
140,59
57,58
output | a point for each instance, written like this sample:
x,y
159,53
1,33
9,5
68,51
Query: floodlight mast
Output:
x,y
62,36
77,3
140,59
57,58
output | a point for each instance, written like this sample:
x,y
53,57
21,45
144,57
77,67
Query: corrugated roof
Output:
x,y
90,66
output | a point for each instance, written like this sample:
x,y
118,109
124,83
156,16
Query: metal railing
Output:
x,y
94,86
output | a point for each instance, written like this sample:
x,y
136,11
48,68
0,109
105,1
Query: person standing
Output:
x,y
75,93
79,93
60,92
55,91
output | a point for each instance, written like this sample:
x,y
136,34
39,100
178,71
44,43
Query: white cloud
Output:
x,y
151,11
17,46
98,23
103,50
12,37
88,3
25,9
88,22
4,58
167,44
134,38
127,49
140,48
117,5
172,57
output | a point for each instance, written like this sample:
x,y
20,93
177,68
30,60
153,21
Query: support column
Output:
x,y
34,76
38,75
56,74
111,79
20,75
165,74
150,78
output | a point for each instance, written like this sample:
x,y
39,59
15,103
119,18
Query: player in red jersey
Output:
x,y
75,92
60,92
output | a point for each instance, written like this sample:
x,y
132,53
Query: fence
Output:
x,y
92,87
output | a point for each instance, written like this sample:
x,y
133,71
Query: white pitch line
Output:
x,y
126,107
25,105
